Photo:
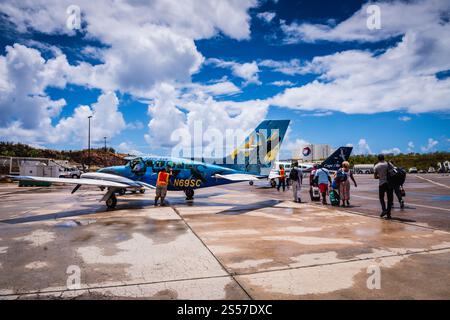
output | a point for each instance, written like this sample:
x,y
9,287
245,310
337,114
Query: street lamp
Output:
x,y
89,142
105,153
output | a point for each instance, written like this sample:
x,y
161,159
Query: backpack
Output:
x,y
293,175
341,176
395,176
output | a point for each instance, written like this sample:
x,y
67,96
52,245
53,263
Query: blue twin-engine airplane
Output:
x,y
251,161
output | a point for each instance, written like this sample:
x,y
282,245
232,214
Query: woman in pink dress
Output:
x,y
344,184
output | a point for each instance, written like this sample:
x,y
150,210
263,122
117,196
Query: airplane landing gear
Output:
x,y
189,194
250,183
273,183
111,202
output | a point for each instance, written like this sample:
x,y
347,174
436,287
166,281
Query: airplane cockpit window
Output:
x,y
138,166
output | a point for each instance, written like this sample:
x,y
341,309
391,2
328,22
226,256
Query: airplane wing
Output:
x,y
91,182
237,177
91,179
273,176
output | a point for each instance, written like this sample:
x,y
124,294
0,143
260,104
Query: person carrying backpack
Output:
x,y
381,173
296,176
343,177
396,177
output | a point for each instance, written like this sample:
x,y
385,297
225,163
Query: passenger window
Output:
x,y
138,166
180,165
149,163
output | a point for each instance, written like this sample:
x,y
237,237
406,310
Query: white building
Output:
x,y
314,152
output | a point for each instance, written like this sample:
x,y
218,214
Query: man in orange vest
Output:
x,y
161,186
282,178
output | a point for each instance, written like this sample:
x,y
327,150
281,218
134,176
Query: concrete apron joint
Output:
x,y
232,275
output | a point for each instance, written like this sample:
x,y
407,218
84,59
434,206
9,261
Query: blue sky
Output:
x,y
146,70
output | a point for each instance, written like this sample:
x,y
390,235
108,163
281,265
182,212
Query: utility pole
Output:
x,y
105,152
89,142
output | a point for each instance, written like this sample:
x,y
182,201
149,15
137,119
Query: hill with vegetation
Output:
x,y
422,161
99,157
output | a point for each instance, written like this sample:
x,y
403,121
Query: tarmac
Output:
x,y
231,242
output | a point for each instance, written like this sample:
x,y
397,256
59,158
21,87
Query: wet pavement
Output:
x,y
231,242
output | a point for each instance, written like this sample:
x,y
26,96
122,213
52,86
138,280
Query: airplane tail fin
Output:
x,y
334,161
260,149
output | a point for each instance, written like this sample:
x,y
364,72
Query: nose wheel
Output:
x,y
189,194
111,202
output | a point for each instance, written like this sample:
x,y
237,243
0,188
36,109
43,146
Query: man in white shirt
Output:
x,y
324,180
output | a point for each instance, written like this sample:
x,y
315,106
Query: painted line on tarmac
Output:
x,y
408,203
433,182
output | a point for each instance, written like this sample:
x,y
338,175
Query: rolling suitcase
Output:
x,y
334,198
314,193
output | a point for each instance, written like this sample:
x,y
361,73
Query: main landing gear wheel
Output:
x,y
142,191
250,183
189,194
111,202
273,184
122,192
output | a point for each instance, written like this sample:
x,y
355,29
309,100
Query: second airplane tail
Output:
x,y
334,161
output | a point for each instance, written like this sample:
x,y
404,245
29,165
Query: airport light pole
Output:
x,y
89,142
105,152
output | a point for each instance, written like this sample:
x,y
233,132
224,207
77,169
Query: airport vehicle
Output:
x,y
274,172
246,163
413,170
431,170
363,168
74,173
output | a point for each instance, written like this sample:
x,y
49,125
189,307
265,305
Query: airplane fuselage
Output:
x,y
186,174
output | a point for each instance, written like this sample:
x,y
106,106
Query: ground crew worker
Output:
x,y
282,178
161,186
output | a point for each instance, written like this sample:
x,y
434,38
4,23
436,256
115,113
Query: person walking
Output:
x,y
384,188
161,186
343,177
282,178
296,178
397,185
324,180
